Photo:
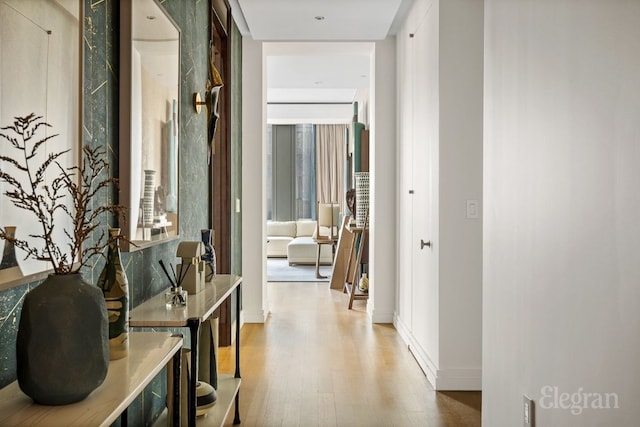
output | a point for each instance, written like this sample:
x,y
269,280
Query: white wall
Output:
x,y
363,98
460,238
254,302
382,243
561,217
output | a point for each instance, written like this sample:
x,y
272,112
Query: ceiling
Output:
x,y
315,87
316,20
315,82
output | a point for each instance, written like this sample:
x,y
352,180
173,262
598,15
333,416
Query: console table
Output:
x,y
200,306
149,352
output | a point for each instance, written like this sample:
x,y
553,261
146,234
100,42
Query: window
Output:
x,y
291,172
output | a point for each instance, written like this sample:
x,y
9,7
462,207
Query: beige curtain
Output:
x,y
330,164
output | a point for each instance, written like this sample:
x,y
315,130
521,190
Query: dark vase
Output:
x,y
62,344
115,288
209,256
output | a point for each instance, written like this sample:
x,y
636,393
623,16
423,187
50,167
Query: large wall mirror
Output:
x,y
40,68
149,124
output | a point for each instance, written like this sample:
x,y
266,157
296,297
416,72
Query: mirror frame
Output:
x,y
125,129
11,281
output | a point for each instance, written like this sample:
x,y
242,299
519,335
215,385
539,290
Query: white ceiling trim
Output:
x,y
316,114
238,17
300,20
304,95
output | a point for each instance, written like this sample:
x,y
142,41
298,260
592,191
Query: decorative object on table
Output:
x,y
62,342
208,353
205,398
355,144
192,269
148,199
209,256
159,214
175,297
351,201
171,198
206,394
115,288
9,260
362,196
363,284
62,348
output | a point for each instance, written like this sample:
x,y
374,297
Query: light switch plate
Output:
x,y
473,209
527,407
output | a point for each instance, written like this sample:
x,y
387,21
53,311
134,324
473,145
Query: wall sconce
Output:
x,y
212,93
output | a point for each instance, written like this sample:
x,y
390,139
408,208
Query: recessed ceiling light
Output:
x,y
319,18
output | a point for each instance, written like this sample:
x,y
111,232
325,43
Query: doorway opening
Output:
x,y
311,92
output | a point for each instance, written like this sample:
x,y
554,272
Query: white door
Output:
x,y
405,199
424,312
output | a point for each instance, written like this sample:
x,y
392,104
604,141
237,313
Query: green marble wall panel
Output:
x,y
100,128
10,308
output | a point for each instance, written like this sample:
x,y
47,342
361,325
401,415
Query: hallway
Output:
x,y
316,363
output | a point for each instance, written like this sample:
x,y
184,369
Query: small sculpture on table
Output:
x,y
351,201
192,269
209,256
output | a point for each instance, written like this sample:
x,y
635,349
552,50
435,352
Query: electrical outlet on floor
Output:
x,y
527,406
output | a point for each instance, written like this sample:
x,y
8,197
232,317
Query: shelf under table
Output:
x,y
228,387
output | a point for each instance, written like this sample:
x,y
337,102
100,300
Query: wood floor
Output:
x,y
316,363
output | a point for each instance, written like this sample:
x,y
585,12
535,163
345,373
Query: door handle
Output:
x,y
423,243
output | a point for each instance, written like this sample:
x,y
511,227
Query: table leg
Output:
x,y
177,385
194,330
236,419
318,275
124,418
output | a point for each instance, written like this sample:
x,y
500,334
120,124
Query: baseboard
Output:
x,y
259,316
402,329
377,316
428,367
424,361
440,379
459,380
306,261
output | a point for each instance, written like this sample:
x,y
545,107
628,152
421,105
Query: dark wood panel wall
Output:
x,y
220,162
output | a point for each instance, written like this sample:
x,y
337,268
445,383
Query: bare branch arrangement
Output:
x,y
71,193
